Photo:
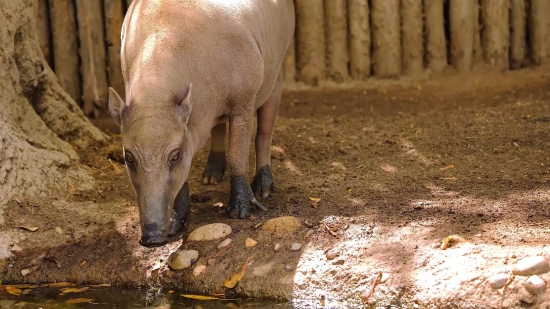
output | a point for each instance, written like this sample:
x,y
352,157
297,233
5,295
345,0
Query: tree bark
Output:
x,y
518,34
113,24
478,49
461,15
92,53
538,35
337,40
310,40
413,46
43,29
496,35
359,39
436,47
386,38
65,48
35,112
289,63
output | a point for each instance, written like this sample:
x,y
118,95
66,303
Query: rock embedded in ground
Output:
x,y
198,270
296,246
211,262
277,247
332,254
25,272
208,232
183,259
498,281
226,242
288,268
249,242
531,265
286,224
535,285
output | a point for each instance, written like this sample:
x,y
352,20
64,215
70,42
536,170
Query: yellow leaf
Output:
x,y
73,290
78,300
232,282
449,239
447,167
100,285
13,291
315,199
58,284
199,297
30,228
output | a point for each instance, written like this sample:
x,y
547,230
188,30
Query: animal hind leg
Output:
x,y
216,167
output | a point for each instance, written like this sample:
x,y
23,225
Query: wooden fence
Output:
x,y
336,40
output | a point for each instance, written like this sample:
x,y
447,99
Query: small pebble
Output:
x,y
208,232
211,262
182,259
277,247
25,272
296,246
198,270
385,277
58,230
535,285
332,254
226,242
338,262
16,248
288,268
249,242
531,265
498,281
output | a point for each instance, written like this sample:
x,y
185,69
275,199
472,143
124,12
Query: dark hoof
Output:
x,y
216,168
241,198
181,214
263,185
155,239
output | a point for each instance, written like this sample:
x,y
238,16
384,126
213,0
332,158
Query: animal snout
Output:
x,y
153,236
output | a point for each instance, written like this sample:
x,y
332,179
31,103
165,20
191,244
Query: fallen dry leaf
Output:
x,y
82,264
249,242
28,227
73,290
232,282
218,204
13,290
258,225
16,248
365,297
199,297
100,285
58,230
449,239
78,300
447,167
315,201
22,286
17,200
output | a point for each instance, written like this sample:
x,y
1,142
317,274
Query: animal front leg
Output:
x,y
240,131
181,212
216,167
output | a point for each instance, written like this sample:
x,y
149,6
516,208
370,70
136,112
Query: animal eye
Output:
x,y
129,157
176,157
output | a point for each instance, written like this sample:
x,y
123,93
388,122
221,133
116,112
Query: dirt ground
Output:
x,y
398,165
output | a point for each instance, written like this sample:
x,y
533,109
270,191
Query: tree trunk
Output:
x,y
518,34
496,35
310,40
92,52
289,64
337,40
359,38
386,38
43,29
478,49
461,15
436,47
113,24
413,51
538,35
35,113
65,48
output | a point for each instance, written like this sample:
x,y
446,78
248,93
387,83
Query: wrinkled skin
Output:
x,y
191,69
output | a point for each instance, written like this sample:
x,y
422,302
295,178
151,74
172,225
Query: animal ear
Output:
x,y
185,104
116,106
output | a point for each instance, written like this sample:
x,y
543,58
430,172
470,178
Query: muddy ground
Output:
x,y
398,165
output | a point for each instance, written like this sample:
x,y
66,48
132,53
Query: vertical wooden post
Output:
x,y
413,46
462,34
538,35
337,40
310,40
386,38
436,47
65,48
496,36
359,38
92,53
113,25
